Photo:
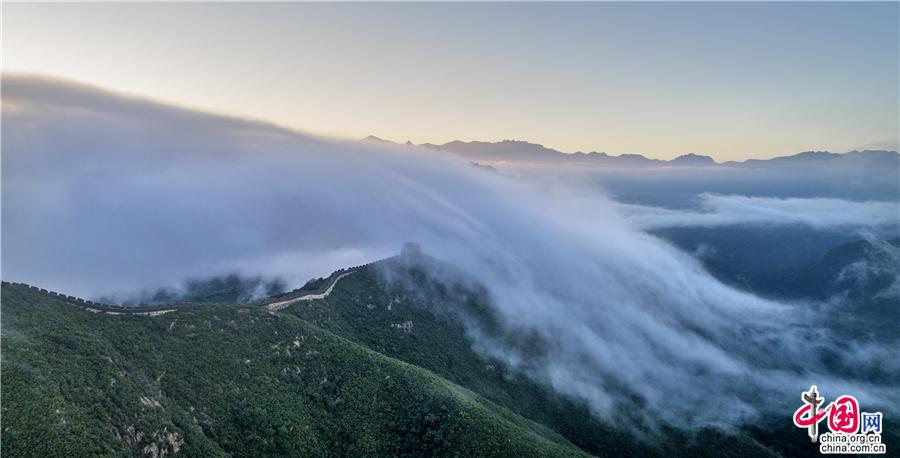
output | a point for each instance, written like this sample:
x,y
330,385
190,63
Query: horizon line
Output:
x,y
179,105
373,137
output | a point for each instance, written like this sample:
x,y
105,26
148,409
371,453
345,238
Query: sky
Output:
x,y
731,80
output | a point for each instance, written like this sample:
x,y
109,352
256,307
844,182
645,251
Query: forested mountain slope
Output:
x,y
218,380
382,366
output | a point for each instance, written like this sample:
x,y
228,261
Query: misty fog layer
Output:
x,y
727,210
103,193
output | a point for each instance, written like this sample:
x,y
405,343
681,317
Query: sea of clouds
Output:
x,y
103,193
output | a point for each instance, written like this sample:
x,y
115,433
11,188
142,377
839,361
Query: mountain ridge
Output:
x,y
520,151
284,381
272,385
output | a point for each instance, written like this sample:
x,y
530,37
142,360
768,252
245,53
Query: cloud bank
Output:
x,y
103,193
726,210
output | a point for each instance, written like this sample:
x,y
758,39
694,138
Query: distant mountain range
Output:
x,y
516,151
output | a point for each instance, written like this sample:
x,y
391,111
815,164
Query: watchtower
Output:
x,y
411,250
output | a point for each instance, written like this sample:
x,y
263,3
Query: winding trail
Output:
x,y
274,306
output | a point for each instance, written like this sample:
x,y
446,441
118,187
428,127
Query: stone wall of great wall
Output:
x,y
409,250
101,307
145,309
300,292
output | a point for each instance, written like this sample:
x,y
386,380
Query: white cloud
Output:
x,y
725,210
102,194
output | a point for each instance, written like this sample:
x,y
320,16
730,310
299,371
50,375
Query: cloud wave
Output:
x,y
725,210
103,193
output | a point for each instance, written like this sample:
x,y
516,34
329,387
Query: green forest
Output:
x,y
375,369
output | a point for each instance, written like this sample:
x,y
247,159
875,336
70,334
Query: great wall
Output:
x,y
276,302
158,309
114,309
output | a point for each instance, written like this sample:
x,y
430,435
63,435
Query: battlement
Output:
x,y
102,307
303,291
409,249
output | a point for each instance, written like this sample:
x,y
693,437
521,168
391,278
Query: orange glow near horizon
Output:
x,y
574,77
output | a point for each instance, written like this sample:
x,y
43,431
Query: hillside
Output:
x,y
859,275
414,312
372,361
229,380
862,270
